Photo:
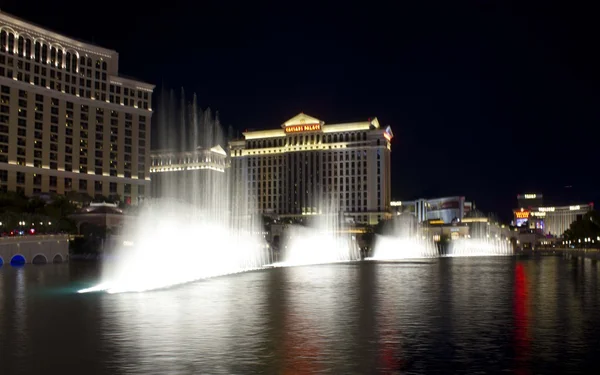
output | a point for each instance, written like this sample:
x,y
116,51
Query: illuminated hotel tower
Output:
x,y
306,165
68,122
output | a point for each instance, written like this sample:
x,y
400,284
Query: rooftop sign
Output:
x,y
529,196
302,128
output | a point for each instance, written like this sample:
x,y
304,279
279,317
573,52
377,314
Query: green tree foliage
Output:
x,y
587,227
44,217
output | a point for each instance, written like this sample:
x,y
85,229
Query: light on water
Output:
x,y
479,247
325,239
398,248
195,231
406,241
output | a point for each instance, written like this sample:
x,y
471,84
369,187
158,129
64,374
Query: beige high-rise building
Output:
x,y
306,167
68,122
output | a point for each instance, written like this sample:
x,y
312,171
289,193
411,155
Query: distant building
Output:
x,y
445,210
190,175
68,121
549,220
306,165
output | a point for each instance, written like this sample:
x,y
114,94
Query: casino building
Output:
x,y
305,167
550,220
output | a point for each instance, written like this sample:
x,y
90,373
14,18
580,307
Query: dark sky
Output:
x,y
487,99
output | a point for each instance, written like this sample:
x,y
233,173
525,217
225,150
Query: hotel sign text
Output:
x,y
522,214
302,128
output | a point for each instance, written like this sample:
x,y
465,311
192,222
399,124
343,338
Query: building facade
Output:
x,y
446,210
192,176
550,220
68,121
308,167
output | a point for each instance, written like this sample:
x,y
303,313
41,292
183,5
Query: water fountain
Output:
x,y
480,243
404,240
483,247
196,229
323,239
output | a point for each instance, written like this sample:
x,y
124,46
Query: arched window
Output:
x,y
3,39
89,62
68,61
44,54
74,63
52,55
38,51
104,65
59,58
28,49
11,44
364,136
21,46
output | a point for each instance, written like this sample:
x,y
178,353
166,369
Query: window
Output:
x,y
82,184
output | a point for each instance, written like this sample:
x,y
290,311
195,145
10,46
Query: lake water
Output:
x,y
447,316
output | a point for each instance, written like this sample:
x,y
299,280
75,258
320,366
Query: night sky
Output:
x,y
486,99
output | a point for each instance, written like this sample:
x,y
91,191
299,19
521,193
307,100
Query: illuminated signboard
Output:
x,y
436,221
522,214
302,128
529,196
546,209
538,214
573,208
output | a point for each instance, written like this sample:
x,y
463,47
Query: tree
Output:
x,y
587,227
13,202
35,205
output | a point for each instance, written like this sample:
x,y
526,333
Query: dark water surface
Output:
x,y
448,316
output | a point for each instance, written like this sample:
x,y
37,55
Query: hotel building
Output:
x,y
307,167
551,220
68,121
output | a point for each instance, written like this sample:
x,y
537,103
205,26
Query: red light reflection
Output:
x,y
300,351
521,315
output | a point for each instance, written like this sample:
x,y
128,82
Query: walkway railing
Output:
x,y
34,238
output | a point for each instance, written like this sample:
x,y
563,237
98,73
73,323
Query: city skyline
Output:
x,y
466,121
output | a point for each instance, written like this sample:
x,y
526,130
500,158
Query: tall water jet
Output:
x,y
471,247
191,229
324,238
480,243
403,240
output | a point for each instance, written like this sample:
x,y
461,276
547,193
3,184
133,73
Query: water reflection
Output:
x,y
521,316
458,316
198,328
319,330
